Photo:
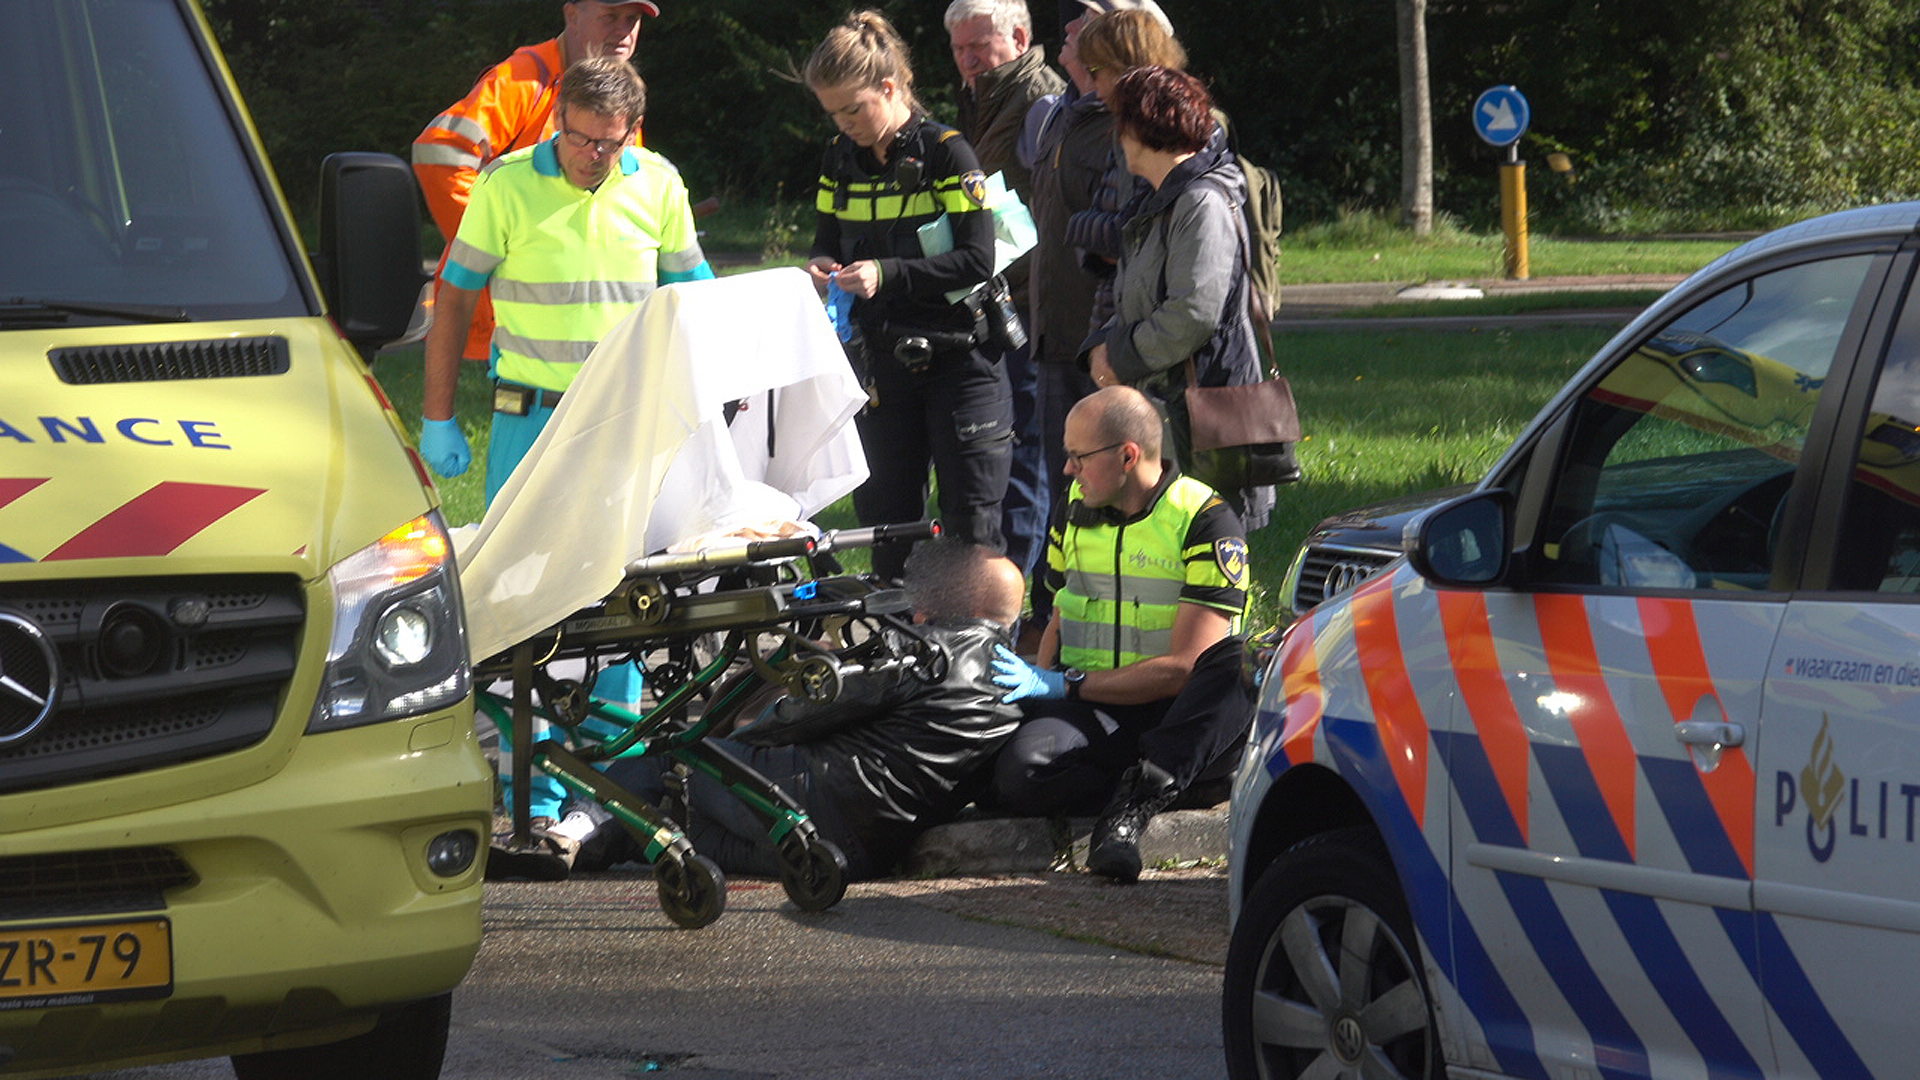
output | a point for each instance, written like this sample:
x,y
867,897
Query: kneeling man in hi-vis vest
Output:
x,y
1137,696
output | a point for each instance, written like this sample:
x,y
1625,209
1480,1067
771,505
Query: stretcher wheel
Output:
x,y
650,601
568,702
693,891
817,679
814,875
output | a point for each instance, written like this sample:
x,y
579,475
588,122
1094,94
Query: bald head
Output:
x,y
1122,414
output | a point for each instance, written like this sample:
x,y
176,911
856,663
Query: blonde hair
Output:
x,y
862,52
1127,39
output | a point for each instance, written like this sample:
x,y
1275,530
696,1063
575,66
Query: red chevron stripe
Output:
x,y
12,488
156,521
1396,709
1301,688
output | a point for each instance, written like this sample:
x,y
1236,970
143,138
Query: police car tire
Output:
x,y
1321,886
409,1043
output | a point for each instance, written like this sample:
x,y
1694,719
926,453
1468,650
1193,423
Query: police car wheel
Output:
x,y
1321,974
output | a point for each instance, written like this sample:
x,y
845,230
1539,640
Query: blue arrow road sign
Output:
x,y
1500,115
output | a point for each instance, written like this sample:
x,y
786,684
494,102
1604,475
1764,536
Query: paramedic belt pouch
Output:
x,y
516,400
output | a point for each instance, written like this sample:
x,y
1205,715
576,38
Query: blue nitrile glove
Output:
x,y
444,446
1023,680
840,309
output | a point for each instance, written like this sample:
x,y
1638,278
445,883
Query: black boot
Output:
x,y
1145,790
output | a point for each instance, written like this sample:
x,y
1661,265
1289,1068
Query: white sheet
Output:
x,y
638,457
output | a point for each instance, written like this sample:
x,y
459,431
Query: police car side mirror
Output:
x,y
1463,542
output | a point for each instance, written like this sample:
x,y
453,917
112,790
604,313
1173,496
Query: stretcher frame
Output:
x,y
784,608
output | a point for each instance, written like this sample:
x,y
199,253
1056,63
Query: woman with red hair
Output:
x,y
1182,285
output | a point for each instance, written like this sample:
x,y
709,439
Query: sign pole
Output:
x,y
1501,116
1513,213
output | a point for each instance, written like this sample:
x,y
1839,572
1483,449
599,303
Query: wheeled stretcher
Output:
x,y
714,631
716,408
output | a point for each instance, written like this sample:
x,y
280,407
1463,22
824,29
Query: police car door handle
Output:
x,y
1714,733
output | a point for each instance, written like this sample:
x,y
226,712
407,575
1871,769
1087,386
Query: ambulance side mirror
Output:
x,y
368,259
1465,542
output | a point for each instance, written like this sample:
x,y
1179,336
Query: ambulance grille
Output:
x,y
170,361
89,882
1330,570
154,672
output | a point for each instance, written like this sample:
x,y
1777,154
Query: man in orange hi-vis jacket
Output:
x,y
511,106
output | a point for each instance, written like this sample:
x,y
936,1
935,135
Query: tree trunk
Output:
x,y
1416,119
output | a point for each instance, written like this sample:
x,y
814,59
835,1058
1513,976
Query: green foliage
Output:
x,y
327,77
1684,115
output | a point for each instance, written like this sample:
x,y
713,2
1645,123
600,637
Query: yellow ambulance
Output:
x,y
242,806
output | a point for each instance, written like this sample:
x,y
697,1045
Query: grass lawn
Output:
x,y
1463,257
1361,247
1389,413
1385,413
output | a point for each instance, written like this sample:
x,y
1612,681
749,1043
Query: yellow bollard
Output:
x,y
1513,217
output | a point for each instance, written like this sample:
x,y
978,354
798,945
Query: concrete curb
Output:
x,y
990,845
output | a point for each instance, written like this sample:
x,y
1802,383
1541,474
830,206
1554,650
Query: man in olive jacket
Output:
x,y
1003,73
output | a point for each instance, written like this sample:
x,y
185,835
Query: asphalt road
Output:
x,y
927,980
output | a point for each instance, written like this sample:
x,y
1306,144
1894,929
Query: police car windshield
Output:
x,y
125,191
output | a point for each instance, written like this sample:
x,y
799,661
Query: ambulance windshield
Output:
x,y
125,187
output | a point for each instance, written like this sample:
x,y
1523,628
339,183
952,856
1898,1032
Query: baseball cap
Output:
x,y
1148,6
653,9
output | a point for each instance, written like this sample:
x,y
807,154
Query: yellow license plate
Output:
x,y
85,963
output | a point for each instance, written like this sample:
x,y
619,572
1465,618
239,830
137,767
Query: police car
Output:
x,y
1614,771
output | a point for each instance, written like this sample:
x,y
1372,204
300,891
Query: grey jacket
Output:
x,y
1181,290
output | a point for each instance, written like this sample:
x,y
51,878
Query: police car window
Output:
x,y
1879,541
1681,456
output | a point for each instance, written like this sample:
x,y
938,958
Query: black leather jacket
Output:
x,y
895,754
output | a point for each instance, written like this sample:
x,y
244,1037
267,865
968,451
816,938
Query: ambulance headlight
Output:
x,y
399,643
405,636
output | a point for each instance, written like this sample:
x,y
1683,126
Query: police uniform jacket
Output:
x,y
1119,580
867,210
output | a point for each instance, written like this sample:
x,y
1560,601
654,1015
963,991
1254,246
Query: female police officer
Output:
x,y
901,226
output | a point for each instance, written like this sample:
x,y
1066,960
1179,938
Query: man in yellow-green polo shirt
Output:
x,y
1136,696
570,234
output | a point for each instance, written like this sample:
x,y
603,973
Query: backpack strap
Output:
x,y
1256,310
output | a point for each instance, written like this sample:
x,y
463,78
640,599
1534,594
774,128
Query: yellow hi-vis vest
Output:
x,y
1122,583
566,264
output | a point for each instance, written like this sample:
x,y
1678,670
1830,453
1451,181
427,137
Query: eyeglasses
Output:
x,y
1080,460
602,147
